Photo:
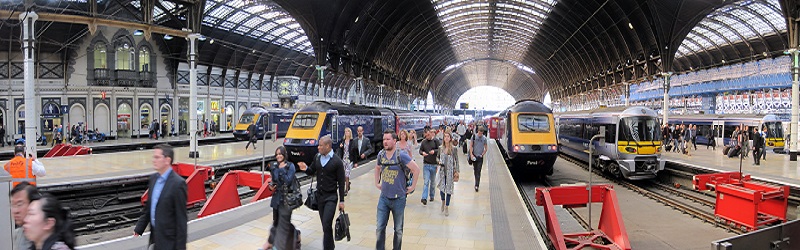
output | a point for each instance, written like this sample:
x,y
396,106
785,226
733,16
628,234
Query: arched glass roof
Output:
x,y
740,21
257,19
501,30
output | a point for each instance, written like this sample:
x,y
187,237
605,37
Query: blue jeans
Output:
x,y
397,207
429,173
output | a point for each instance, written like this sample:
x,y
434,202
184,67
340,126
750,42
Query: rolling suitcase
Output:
x,y
725,150
733,152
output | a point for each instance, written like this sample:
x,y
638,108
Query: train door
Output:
x,y
261,125
377,129
334,129
718,127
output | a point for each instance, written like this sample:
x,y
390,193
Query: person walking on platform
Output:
x,y
251,130
329,170
22,169
448,170
363,145
21,197
165,210
676,136
687,139
48,226
711,141
764,135
348,153
694,136
744,140
283,177
461,129
758,147
429,149
391,179
477,152
466,139
404,143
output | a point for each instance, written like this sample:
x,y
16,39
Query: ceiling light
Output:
x,y
138,32
202,38
167,37
356,20
211,42
630,25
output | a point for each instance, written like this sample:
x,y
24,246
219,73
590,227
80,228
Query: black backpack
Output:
x,y
383,162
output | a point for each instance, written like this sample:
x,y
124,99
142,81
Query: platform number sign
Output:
x,y
64,109
464,105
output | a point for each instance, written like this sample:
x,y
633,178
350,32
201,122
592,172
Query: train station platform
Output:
x,y
69,170
776,169
7,151
494,218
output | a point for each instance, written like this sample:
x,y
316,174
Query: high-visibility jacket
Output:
x,y
16,167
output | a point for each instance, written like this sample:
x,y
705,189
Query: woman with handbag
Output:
x,y
283,182
448,169
348,151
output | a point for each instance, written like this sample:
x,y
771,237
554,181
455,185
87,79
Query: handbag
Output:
x,y
311,200
342,228
292,196
455,176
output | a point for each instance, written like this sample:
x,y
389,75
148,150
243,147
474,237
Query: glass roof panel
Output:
x,y
263,20
498,29
738,21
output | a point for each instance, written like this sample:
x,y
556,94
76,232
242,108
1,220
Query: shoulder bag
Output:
x,y
311,200
292,196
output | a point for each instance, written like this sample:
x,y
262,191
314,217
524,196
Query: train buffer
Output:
x,y
744,202
196,178
226,194
609,234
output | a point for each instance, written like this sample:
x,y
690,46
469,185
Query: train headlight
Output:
x,y
630,150
553,147
285,140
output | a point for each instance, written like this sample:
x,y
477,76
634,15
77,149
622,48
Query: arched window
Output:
x,y
100,56
125,55
144,60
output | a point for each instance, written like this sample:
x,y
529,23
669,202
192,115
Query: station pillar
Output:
x,y
795,102
665,103
193,153
28,20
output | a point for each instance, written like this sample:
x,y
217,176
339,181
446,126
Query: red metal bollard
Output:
x,y
611,228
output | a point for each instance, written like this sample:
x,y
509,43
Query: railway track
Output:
x,y
697,205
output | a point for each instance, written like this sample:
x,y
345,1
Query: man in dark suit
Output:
x,y
363,146
165,210
758,147
329,169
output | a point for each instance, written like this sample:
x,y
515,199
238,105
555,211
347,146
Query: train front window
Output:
x,y
533,123
305,121
639,128
246,118
775,130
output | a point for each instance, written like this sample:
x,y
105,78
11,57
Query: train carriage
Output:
x,y
322,118
264,119
632,145
722,126
527,132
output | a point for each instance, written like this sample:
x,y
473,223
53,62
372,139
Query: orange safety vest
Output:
x,y
16,167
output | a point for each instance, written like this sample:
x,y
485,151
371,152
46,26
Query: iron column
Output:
x,y
665,103
795,102
28,20
193,153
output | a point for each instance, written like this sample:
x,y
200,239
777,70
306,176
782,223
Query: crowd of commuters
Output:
x,y
42,223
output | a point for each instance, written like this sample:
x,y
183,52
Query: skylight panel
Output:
x,y
238,17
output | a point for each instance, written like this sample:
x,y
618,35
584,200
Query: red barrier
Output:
x,y
71,151
62,151
610,229
83,151
744,202
55,150
226,196
195,182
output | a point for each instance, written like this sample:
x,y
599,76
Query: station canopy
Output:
x,y
526,47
